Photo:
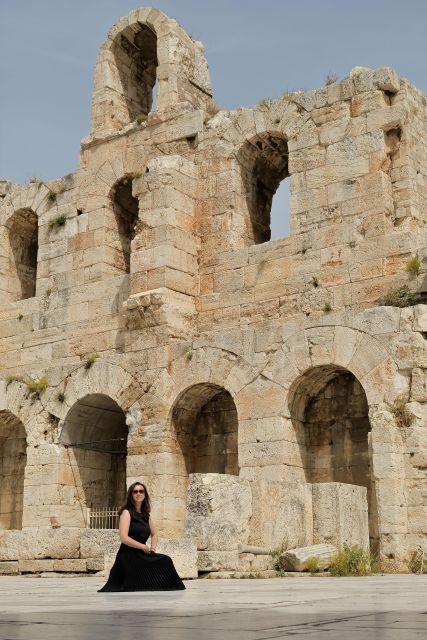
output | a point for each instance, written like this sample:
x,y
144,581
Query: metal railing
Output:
x,y
103,518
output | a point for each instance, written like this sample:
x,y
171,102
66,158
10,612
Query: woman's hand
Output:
x,y
152,549
145,549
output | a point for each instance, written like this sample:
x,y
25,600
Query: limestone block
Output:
x,y
96,543
217,560
183,552
420,317
76,565
296,559
283,514
251,562
36,543
219,510
35,566
340,514
95,564
387,79
8,568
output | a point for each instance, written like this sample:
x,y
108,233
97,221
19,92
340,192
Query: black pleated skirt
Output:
x,y
134,570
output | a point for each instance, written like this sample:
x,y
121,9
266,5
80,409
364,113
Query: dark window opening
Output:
x,y
13,459
125,207
136,58
23,238
265,165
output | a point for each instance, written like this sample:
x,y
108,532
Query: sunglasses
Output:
x,y
138,491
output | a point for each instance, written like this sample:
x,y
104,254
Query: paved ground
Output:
x,y
383,607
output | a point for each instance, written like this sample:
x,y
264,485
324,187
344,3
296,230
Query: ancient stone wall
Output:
x,y
199,345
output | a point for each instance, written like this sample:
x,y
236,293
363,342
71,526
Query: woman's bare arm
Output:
x,y
154,536
124,524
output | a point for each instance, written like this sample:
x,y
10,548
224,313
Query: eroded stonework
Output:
x,y
150,330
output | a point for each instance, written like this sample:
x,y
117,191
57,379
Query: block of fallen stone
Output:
x,y
296,559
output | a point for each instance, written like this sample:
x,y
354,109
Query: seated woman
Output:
x,y
138,567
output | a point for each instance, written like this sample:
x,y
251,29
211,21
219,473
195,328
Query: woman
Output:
x,y
137,566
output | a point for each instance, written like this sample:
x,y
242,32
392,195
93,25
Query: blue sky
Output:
x,y
255,49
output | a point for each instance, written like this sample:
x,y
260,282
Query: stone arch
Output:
x,y
206,424
13,460
94,434
146,45
125,207
330,415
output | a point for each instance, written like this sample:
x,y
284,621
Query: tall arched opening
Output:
x,y
23,239
206,425
13,460
135,53
125,207
264,165
95,434
330,413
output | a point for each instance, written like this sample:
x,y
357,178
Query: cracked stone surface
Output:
x,y
386,607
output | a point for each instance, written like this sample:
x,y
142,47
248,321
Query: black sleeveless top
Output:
x,y
139,528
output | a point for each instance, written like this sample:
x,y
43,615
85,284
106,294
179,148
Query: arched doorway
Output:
x,y
206,425
13,459
330,413
95,434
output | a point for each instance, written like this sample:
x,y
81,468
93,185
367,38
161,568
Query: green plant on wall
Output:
x,y
413,266
90,360
58,221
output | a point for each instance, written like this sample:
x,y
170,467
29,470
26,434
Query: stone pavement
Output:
x,y
383,607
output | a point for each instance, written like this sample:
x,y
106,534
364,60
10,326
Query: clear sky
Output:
x,y
255,49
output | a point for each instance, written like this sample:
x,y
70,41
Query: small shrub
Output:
x,y
352,560
36,386
401,414
54,420
276,553
136,174
401,297
413,265
313,565
91,359
10,379
61,397
213,108
58,221
187,353
327,308
330,78
315,282
141,118
20,316
51,196
416,563
37,181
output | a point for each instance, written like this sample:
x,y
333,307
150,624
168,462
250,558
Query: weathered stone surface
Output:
x,y
183,552
150,331
217,560
340,514
8,568
296,559
219,511
70,566
35,566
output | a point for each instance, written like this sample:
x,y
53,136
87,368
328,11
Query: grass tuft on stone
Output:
x,y
401,297
352,560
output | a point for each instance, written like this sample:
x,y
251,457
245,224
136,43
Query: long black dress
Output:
x,y
134,570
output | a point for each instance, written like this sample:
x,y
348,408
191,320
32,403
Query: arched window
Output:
x,y
125,208
205,420
264,162
135,53
23,239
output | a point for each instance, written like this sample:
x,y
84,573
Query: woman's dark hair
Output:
x,y
130,504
